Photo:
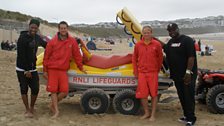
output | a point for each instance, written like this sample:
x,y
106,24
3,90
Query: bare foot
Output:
x,y
56,114
152,119
145,116
28,114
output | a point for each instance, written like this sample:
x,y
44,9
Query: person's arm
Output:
x,y
77,56
162,43
43,43
190,49
160,57
47,54
135,61
21,52
190,63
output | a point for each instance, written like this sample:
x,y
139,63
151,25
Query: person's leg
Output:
x,y
153,89
189,92
142,93
154,106
144,102
34,85
54,100
32,103
52,86
23,81
61,95
63,85
25,102
180,92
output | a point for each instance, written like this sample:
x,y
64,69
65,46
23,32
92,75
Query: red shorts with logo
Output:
x,y
57,81
147,85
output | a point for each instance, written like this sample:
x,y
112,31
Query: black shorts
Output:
x,y
25,82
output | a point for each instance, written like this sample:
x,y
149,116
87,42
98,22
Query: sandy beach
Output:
x,y
12,108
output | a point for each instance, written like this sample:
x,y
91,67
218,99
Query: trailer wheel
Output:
x,y
94,101
215,99
125,102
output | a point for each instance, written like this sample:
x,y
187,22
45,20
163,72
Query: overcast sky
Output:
x,y
95,11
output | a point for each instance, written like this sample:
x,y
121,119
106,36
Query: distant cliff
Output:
x,y
209,24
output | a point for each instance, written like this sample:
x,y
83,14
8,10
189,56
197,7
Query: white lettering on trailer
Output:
x,y
103,80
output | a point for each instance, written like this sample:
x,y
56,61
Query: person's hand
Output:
x,y
84,71
187,79
45,75
28,74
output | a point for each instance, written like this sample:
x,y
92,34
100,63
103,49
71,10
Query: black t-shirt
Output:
x,y
177,53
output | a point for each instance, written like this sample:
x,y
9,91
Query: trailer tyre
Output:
x,y
94,101
125,102
215,99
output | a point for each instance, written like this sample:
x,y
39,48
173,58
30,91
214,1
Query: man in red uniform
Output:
x,y
147,61
56,62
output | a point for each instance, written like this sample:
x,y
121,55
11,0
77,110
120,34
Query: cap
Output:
x,y
172,26
34,21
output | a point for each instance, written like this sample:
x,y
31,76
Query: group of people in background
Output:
x,y
147,62
6,45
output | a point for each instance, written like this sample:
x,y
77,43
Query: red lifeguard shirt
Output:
x,y
58,54
147,58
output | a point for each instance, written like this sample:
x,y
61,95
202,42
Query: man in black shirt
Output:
x,y
27,46
181,58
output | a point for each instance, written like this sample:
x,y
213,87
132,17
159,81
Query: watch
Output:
x,y
189,72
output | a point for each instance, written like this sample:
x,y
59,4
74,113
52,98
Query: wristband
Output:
x,y
25,72
189,72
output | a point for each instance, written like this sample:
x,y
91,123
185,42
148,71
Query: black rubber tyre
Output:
x,y
118,21
215,99
94,101
126,31
125,102
133,40
132,28
122,16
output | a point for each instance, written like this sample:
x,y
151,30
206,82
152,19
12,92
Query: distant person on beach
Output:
x,y
147,62
7,45
181,58
199,44
27,46
57,57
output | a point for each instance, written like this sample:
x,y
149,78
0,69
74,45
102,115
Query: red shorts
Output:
x,y
57,81
147,85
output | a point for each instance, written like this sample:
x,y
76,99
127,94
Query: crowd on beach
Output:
x,y
6,45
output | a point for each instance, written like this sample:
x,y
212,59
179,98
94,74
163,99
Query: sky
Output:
x,y
95,11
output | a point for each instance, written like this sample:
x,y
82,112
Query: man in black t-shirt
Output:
x,y
181,58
